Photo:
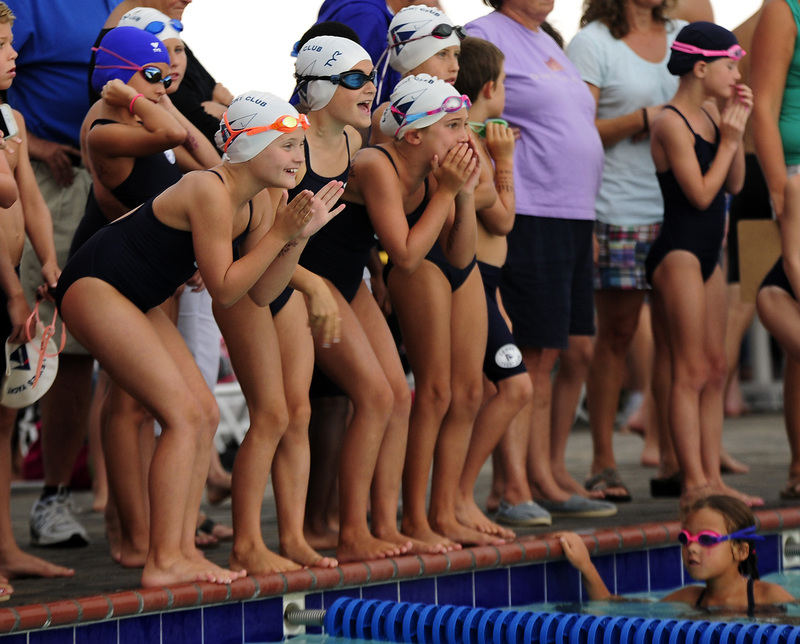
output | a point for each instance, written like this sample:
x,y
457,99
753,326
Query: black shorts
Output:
x,y
503,358
547,285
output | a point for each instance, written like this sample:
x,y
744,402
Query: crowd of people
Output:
x,y
466,203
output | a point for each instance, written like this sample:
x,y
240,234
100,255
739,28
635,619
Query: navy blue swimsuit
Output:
x,y
340,250
143,258
456,276
685,227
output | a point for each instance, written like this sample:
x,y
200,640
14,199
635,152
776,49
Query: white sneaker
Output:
x,y
53,524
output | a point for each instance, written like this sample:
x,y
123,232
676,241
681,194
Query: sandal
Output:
x,y
608,479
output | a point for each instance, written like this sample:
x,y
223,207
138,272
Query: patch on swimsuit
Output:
x,y
508,356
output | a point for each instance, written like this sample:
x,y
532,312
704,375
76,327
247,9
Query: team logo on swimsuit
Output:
x,y
400,34
508,356
19,358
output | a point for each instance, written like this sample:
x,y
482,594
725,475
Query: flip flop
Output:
x,y
667,486
608,479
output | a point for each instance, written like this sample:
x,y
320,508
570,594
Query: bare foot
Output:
x,y
259,560
690,495
326,539
15,563
459,533
218,489
183,570
567,483
131,556
424,534
205,540
299,551
99,500
365,548
469,514
650,455
730,465
413,546
113,531
727,490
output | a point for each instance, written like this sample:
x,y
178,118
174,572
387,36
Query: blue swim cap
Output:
x,y
122,52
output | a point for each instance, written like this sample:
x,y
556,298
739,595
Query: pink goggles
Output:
x,y
734,51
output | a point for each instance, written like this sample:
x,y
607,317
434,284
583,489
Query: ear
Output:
x,y
488,90
412,137
700,68
741,551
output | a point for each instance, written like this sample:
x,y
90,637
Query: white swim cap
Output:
x,y
152,21
325,56
240,134
415,95
418,32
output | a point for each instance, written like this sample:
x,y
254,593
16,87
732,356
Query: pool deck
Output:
x,y
757,439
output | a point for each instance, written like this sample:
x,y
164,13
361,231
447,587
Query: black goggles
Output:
x,y
153,75
354,79
441,32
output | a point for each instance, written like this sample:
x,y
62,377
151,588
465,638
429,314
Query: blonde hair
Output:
x,y
6,15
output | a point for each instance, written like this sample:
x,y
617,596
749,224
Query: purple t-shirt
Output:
x,y
558,161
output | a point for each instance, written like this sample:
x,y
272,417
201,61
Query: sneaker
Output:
x,y
53,523
579,506
527,513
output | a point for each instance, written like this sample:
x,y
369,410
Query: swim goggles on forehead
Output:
x,y
151,74
708,538
441,31
287,123
451,104
157,26
734,51
480,128
354,79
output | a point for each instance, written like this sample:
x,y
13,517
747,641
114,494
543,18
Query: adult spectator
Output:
x,y
54,41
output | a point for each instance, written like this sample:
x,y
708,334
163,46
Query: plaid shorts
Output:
x,y
622,251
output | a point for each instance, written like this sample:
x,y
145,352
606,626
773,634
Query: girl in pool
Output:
x,y
718,535
110,290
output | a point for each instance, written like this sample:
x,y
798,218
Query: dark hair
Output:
x,y
494,4
479,63
327,28
737,516
612,14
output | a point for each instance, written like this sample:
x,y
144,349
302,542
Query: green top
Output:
x,y
789,122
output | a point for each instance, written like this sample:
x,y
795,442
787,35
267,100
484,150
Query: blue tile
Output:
x,y
769,554
386,592
55,636
182,625
330,596
455,589
632,572
491,588
140,630
605,566
666,568
418,591
563,582
527,584
17,638
263,620
223,623
105,631
314,601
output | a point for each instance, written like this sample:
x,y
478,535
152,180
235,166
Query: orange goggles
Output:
x,y
286,123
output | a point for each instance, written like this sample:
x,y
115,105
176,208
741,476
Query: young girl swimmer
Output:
x,y
110,290
718,537
698,156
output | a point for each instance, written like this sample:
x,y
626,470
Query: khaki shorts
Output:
x,y
66,208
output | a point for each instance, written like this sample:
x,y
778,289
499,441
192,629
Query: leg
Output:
x,y
290,469
96,458
252,343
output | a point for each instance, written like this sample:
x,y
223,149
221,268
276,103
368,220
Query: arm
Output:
x,y
323,311
406,246
38,222
499,218
772,51
197,152
673,148
735,179
18,309
8,185
632,125
578,555
459,238
57,156
160,131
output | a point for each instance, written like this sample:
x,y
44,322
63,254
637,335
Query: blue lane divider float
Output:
x,y
447,624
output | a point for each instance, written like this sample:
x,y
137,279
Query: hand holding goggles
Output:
x,y
451,104
151,74
441,31
287,123
708,538
734,51
480,128
354,79
157,26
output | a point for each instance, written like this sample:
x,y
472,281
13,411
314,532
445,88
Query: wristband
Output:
x,y
646,127
133,100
